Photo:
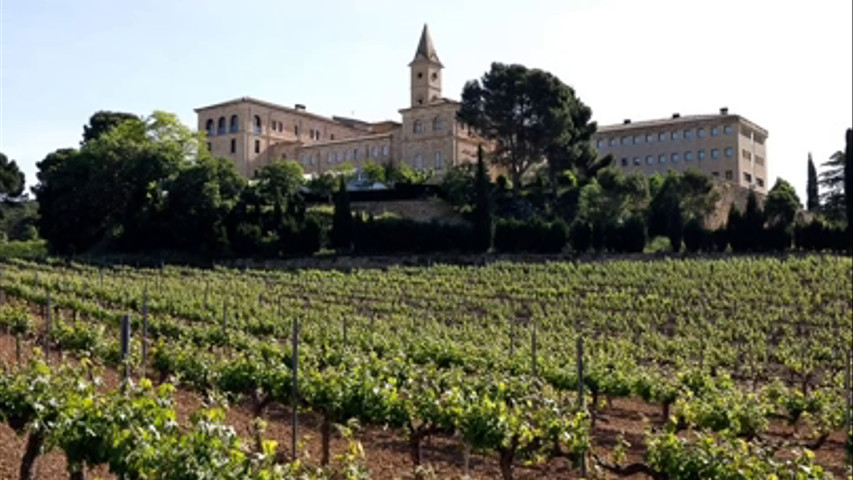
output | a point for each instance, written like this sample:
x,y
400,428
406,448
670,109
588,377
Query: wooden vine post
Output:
x,y
533,349
294,392
47,325
125,346
144,328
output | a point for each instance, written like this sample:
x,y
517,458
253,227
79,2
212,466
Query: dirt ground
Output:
x,y
386,450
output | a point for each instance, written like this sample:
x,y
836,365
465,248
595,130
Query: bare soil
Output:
x,y
386,450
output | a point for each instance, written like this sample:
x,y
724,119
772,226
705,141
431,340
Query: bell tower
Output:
x,y
426,72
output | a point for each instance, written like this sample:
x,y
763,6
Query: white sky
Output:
x,y
786,65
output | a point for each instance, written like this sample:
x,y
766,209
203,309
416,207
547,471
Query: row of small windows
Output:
x,y
438,162
676,157
686,134
349,155
437,125
219,127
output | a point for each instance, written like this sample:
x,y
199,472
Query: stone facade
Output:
x,y
726,147
254,133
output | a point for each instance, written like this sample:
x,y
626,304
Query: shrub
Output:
x,y
395,235
580,236
531,236
633,235
777,237
720,239
695,236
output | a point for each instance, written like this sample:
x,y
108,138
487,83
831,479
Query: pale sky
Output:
x,y
785,65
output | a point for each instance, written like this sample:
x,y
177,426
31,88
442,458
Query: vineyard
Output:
x,y
667,369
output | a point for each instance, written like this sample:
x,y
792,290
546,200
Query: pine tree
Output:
x,y
482,206
812,197
342,221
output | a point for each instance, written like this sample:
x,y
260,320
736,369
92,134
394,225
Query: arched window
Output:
x,y
418,127
221,128
257,125
209,126
235,124
437,124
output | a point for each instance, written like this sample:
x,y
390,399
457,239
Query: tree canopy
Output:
x,y
11,178
530,116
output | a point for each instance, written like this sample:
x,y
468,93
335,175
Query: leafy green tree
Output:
x,y
280,181
11,178
374,172
102,122
482,205
198,202
527,113
458,185
782,204
612,197
342,225
691,193
812,195
831,181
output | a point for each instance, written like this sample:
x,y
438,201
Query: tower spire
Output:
x,y
426,50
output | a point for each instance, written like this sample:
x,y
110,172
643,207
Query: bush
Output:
x,y
395,235
633,235
777,237
819,235
720,239
29,249
696,237
580,236
531,236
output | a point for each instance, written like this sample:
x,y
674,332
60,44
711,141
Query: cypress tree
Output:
x,y
753,222
848,176
342,221
812,199
482,206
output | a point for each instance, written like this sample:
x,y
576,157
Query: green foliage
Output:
x,y
482,205
458,186
782,204
30,249
696,237
11,178
532,236
342,225
396,235
374,172
15,319
813,198
580,236
102,122
529,114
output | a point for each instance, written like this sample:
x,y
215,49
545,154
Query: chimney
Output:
x,y
626,121
299,106
676,115
724,111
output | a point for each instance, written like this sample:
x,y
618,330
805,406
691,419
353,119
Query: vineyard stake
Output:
x,y
848,380
580,394
294,387
144,327
206,288
512,323
533,349
224,314
344,330
125,345
47,326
